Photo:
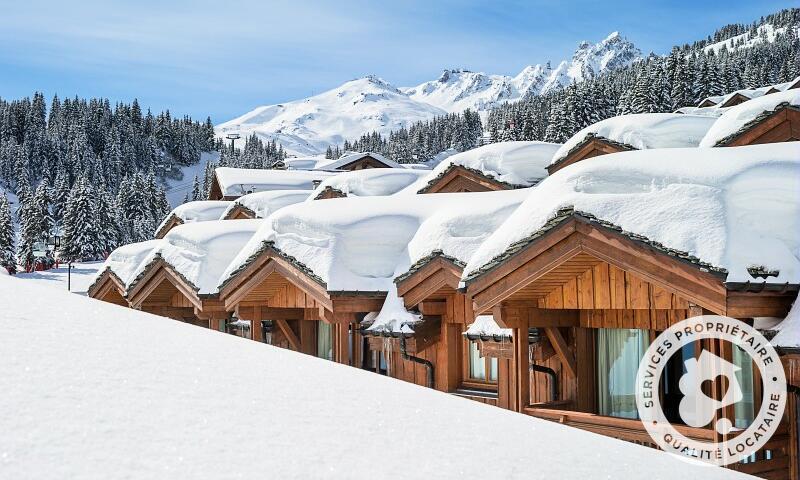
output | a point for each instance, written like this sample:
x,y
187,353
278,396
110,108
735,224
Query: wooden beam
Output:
x,y
433,308
560,346
294,342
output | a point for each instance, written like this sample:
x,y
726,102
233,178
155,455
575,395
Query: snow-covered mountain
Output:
x,y
309,125
456,90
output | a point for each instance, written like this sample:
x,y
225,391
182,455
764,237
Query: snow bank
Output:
x,y
198,211
352,157
370,182
235,182
200,251
263,204
643,131
362,243
108,392
520,164
124,261
739,117
733,208
789,329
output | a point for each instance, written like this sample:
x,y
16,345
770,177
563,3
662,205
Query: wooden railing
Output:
x,y
771,462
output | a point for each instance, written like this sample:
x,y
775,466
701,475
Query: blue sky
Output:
x,y
224,58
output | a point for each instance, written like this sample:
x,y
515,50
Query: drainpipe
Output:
x,y
553,379
428,365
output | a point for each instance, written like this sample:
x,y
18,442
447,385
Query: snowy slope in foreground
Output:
x,y
310,125
107,392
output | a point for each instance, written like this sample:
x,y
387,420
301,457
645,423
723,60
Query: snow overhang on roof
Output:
x,y
641,131
687,202
740,118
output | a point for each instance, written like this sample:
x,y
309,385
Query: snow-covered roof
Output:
x,y
733,208
352,157
740,117
263,204
745,92
518,164
113,392
197,211
453,234
305,163
199,252
788,335
235,182
714,111
123,261
370,182
642,131
362,243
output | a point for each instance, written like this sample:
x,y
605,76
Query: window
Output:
x,y
324,340
744,410
479,369
619,352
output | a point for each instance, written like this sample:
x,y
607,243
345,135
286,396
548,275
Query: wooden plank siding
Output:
x,y
592,148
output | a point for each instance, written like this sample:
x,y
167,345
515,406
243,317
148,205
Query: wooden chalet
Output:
x,y
360,161
591,146
231,183
724,101
109,288
161,290
171,222
329,192
584,299
290,307
458,178
779,125
438,354
239,212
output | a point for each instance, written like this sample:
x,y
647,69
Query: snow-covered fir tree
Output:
x,y
6,235
81,239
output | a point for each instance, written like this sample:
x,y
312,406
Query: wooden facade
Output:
x,y
239,212
590,147
160,290
363,162
272,291
579,279
461,179
782,125
172,222
329,192
108,288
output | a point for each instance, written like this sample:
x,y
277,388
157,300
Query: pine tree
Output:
x,y
196,189
6,236
81,232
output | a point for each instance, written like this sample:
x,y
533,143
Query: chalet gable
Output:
x,y
779,125
109,288
580,262
458,178
274,279
591,146
239,212
171,222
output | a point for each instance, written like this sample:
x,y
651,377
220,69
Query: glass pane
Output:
x,y
324,340
618,354
493,369
477,367
744,411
